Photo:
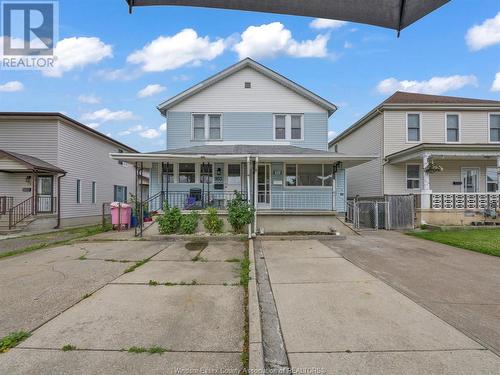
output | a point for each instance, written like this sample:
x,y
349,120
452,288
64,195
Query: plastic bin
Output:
x,y
120,215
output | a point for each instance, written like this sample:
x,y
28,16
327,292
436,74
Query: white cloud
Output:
x,y
332,134
93,125
151,90
435,85
171,52
323,23
163,127
150,133
104,115
119,74
496,83
348,44
77,52
133,129
273,39
484,35
11,86
89,99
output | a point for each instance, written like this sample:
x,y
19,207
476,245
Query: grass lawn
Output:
x,y
486,241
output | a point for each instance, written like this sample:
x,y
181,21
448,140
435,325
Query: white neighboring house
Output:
x,y
411,132
57,171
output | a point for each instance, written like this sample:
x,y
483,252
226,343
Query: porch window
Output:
x,y
452,128
206,173
78,191
120,193
199,127
233,174
495,127
168,173
291,175
327,175
296,125
308,175
413,176
214,126
491,180
187,173
280,126
94,192
413,123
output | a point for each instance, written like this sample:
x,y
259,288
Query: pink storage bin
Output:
x,y
120,215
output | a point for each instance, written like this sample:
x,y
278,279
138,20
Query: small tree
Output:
x,y
240,213
170,221
189,222
212,222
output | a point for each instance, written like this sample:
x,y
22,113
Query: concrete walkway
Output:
x,y
193,310
337,318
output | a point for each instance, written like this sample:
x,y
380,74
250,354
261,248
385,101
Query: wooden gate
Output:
x,y
400,211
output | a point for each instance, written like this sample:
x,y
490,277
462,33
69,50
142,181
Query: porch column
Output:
x,y
426,191
498,174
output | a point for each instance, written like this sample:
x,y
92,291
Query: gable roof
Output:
x,y
248,63
67,120
402,99
31,163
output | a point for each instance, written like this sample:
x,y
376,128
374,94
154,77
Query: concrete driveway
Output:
x,y
193,310
338,318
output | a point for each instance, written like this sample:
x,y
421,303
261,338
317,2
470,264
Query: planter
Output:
x,y
133,221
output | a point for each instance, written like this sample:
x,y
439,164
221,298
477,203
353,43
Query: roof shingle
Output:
x,y
401,97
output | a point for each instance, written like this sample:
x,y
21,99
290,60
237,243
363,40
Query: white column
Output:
x,y
498,174
426,189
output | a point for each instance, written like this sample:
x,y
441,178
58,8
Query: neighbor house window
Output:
x,y
168,173
187,173
495,127
78,191
206,173
288,126
491,180
308,175
94,192
119,193
207,126
452,128
413,123
413,176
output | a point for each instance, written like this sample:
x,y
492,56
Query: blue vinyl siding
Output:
x,y
248,127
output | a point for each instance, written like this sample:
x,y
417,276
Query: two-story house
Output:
x,y
445,150
251,130
57,170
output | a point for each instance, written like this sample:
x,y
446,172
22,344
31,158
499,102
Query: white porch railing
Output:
x,y
316,200
464,201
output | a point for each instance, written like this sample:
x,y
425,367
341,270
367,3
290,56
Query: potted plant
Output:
x,y
433,167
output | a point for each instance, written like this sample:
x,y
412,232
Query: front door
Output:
x,y
44,194
470,180
264,186
233,178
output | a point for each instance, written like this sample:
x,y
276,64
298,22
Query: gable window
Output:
x,y
207,127
187,173
452,128
309,175
491,180
94,191
168,173
288,126
412,176
413,124
78,191
120,193
495,127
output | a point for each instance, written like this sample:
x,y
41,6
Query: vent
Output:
x,y
248,85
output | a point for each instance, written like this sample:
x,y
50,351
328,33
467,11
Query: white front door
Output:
x,y
264,186
233,174
470,180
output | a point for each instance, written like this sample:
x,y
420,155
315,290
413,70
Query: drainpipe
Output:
x,y
255,193
248,194
58,226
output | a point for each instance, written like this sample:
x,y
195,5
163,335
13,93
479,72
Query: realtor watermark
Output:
x,y
30,31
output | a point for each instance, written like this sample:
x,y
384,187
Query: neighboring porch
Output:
x,y
28,189
453,184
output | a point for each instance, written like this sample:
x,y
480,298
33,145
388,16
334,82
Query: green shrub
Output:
x,y
170,221
189,222
240,213
212,222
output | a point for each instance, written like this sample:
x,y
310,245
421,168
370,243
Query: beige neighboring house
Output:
x,y
416,135
55,171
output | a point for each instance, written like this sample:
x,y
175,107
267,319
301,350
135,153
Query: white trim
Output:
x,y
288,127
489,127
446,114
420,130
206,119
420,169
478,179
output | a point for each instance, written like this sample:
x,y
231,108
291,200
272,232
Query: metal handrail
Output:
x,y
21,211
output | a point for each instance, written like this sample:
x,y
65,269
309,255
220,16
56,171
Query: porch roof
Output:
x,y
27,163
240,152
446,151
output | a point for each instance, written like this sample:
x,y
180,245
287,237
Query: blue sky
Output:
x,y
110,56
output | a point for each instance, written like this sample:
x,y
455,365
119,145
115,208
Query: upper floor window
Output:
x,y
207,126
413,127
452,128
288,126
413,176
495,127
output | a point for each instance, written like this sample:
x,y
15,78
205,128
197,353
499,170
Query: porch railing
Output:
x,y
298,200
46,205
192,200
465,201
20,212
6,204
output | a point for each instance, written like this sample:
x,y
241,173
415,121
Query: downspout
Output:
x,y
58,226
248,194
255,193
